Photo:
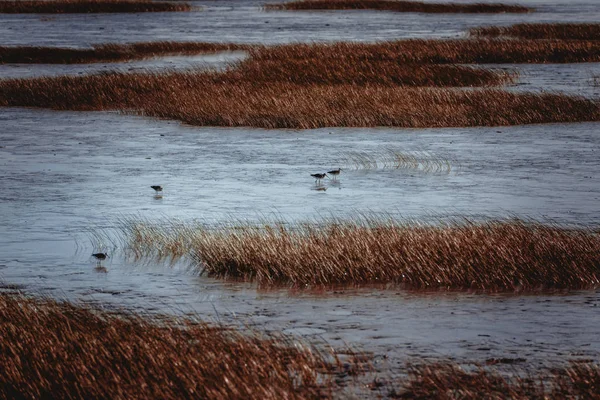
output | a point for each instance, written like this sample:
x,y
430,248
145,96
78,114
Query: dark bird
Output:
x,y
100,256
318,177
157,188
335,172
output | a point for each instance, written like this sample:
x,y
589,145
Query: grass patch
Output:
x,y
432,51
493,256
58,350
448,381
107,52
89,6
399,6
312,86
541,31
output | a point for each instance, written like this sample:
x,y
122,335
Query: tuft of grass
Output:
x,y
560,31
108,52
58,350
492,256
449,381
399,6
88,6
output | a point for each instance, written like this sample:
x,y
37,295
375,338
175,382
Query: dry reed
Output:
x,y
448,381
89,6
493,256
399,6
58,350
542,31
108,52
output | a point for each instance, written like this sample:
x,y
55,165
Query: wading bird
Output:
x,y
318,177
157,188
335,172
100,256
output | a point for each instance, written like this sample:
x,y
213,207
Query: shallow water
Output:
x,y
68,173
65,174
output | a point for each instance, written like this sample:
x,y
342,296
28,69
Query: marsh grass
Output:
x,y
315,86
59,350
398,6
489,256
89,6
108,52
449,381
397,159
560,31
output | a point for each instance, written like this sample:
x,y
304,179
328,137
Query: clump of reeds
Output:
x,y
108,52
563,31
396,159
399,6
513,255
89,6
448,381
58,350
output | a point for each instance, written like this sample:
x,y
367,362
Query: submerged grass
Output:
x,y
58,350
396,159
108,52
89,6
399,6
563,31
492,256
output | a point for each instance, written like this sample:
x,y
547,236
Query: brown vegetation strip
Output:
x,y
494,256
55,350
448,381
197,99
312,86
432,51
108,52
89,6
542,31
399,6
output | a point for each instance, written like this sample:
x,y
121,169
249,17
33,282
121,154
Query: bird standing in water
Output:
x,y
335,173
318,177
157,188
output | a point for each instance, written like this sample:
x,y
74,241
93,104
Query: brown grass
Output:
x,y
398,5
57,350
312,86
493,256
108,52
542,31
448,381
89,6
432,51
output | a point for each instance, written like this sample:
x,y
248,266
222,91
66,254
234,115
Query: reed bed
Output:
x,y
314,86
434,51
89,6
490,256
58,350
108,52
448,381
397,159
195,98
398,6
560,31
